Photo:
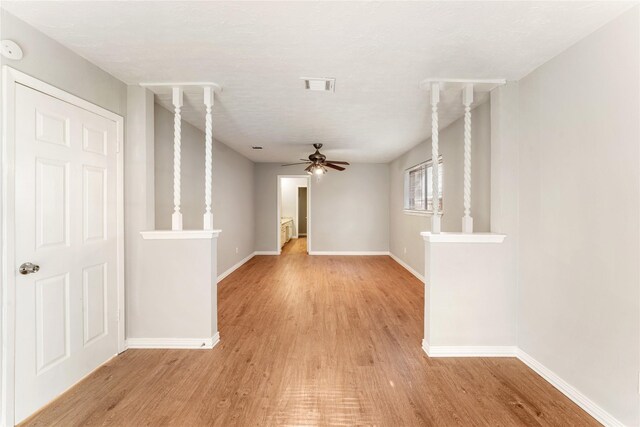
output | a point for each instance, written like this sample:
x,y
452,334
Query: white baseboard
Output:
x,y
407,267
235,266
568,390
188,343
350,253
266,253
469,350
551,377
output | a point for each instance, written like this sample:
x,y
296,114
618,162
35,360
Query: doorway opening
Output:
x,y
293,219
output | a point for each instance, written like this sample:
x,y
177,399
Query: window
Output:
x,y
418,189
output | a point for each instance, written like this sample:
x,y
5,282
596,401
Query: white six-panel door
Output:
x,y
66,213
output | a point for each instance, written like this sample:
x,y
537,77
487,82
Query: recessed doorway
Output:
x,y
302,211
293,219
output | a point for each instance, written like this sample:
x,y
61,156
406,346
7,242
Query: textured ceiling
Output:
x,y
377,51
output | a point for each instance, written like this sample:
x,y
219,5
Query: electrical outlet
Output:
x,y
236,250
405,251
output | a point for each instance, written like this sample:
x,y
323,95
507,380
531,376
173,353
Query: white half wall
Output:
x,y
180,303
349,209
468,296
579,208
233,189
404,229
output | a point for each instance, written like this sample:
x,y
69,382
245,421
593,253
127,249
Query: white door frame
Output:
x,y
10,78
278,200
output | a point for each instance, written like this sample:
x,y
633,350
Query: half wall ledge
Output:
x,y
179,234
462,237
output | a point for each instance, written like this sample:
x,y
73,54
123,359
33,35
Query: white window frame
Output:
x,y
426,165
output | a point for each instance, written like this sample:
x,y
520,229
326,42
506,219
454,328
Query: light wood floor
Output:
x,y
320,340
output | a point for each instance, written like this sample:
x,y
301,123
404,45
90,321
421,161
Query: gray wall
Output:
x,y
233,192
139,210
579,209
404,228
349,209
53,63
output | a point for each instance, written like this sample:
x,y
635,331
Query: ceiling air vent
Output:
x,y
319,84
257,147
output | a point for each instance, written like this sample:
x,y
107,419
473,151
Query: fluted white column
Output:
x,y
208,158
176,218
435,98
467,99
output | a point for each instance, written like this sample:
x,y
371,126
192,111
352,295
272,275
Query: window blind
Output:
x,y
418,187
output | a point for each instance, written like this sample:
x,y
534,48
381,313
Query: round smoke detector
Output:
x,y
11,50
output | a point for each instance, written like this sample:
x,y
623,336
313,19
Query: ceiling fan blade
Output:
x,y
291,164
336,162
331,165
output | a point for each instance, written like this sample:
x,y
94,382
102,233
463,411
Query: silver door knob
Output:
x,y
28,268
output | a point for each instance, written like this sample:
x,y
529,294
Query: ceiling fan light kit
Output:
x,y
318,163
317,170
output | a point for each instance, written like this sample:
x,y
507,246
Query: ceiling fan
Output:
x,y
318,163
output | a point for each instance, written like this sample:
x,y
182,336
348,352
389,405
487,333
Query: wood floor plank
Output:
x,y
322,340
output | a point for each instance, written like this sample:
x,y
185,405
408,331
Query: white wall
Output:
x,y
289,199
405,229
233,189
579,210
349,209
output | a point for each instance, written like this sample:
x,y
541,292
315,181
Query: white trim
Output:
x,y
407,267
568,390
349,253
416,212
236,266
184,85
446,237
469,350
480,85
188,343
266,253
179,234
278,199
122,340
11,77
